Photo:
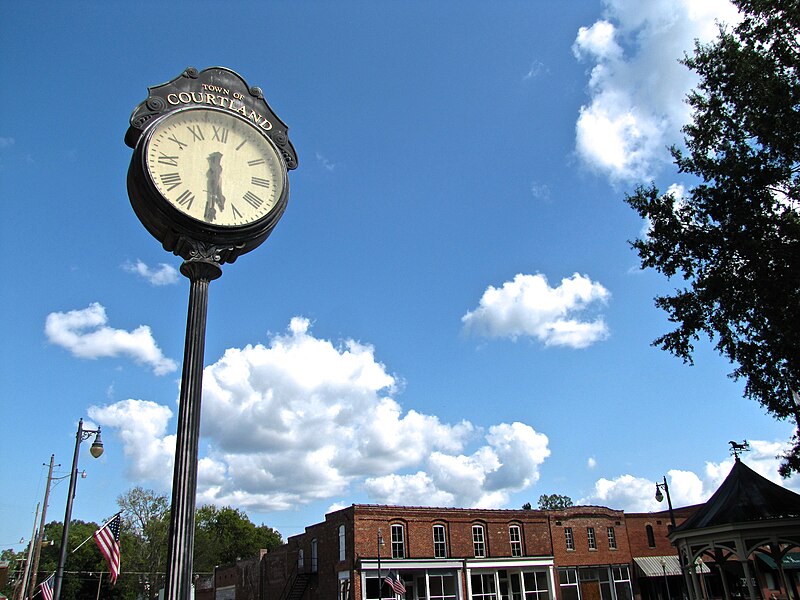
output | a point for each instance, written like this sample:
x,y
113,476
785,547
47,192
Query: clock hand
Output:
x,y
214,189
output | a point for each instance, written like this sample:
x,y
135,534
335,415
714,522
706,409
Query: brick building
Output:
x,y
586,553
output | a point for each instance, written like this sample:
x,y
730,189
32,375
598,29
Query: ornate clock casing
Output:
x,y
208,173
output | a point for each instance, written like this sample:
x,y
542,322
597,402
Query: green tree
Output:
x,y
554,502
223,535
83,565
734,238
143,536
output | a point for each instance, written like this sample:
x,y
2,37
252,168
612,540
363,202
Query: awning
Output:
x,y
656,566
791,560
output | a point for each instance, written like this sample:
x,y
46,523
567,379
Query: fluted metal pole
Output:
x,y
184,480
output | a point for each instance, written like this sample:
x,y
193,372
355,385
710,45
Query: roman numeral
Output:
x,y
177,141
259,181
171,180
236,213
253,200
197,133
185,199
172,161
220,134
253,163
242,144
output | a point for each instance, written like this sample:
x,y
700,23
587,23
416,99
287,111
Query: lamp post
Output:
x,y
96,451
666,581
660,498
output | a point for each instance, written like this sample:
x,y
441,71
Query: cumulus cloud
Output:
x,y
528,306
303,419
508,462
85,333
637,494
636,85
164,274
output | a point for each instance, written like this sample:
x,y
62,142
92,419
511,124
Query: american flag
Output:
x,y
47,587
393,579
107,538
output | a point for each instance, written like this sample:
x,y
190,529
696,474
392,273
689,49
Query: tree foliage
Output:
x,y
734,238
554,502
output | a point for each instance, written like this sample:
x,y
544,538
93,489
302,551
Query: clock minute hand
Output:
x,y
215,199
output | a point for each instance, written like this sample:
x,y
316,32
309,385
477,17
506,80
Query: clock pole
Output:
x,y
178,586
230,149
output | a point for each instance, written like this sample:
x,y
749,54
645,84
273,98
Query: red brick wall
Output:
x,y
579,519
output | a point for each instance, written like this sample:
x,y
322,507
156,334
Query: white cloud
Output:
x,y
164,274
637,86
86,335
6,142
637,494
142,428
591,463
303,419
528,306
509,462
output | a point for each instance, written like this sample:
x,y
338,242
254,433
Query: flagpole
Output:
x,y
99,583
91,536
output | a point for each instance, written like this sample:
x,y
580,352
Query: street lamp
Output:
x,y
660,498
96,450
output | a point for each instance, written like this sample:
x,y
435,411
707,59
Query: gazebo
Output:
x,y
747,518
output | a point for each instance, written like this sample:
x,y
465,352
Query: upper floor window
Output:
x,y
478,541
300,559
439,542
515,537
314,555
651,538
570,541
342,549
591,538
612,539
398,541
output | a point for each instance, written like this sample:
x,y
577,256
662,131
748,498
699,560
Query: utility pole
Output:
x,y
40,537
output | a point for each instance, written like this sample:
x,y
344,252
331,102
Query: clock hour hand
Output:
x,y
215,199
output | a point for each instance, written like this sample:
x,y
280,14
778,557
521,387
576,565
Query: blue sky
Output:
x,y
449,311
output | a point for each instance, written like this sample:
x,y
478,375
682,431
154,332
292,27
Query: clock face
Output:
x,y
214,167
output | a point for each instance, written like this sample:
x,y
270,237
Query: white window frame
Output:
x,y
612,538
479,541
569,538
439,542
515,539
591,538
398,540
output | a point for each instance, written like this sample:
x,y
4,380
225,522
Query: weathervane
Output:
x,y
737,448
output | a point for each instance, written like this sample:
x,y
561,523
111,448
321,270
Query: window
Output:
x,y
483,584
612,539
591,538
439,542
568,538
568,579
622,582
515,537
314,555
651,539
300,559
442,587
535,585
398,541
344,585
478,541
342,548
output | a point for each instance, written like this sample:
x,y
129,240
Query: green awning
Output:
x,y
791,560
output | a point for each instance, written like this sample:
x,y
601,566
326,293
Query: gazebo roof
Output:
x,y
744,496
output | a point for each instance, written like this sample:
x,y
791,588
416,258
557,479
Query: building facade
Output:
x,y
580,553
